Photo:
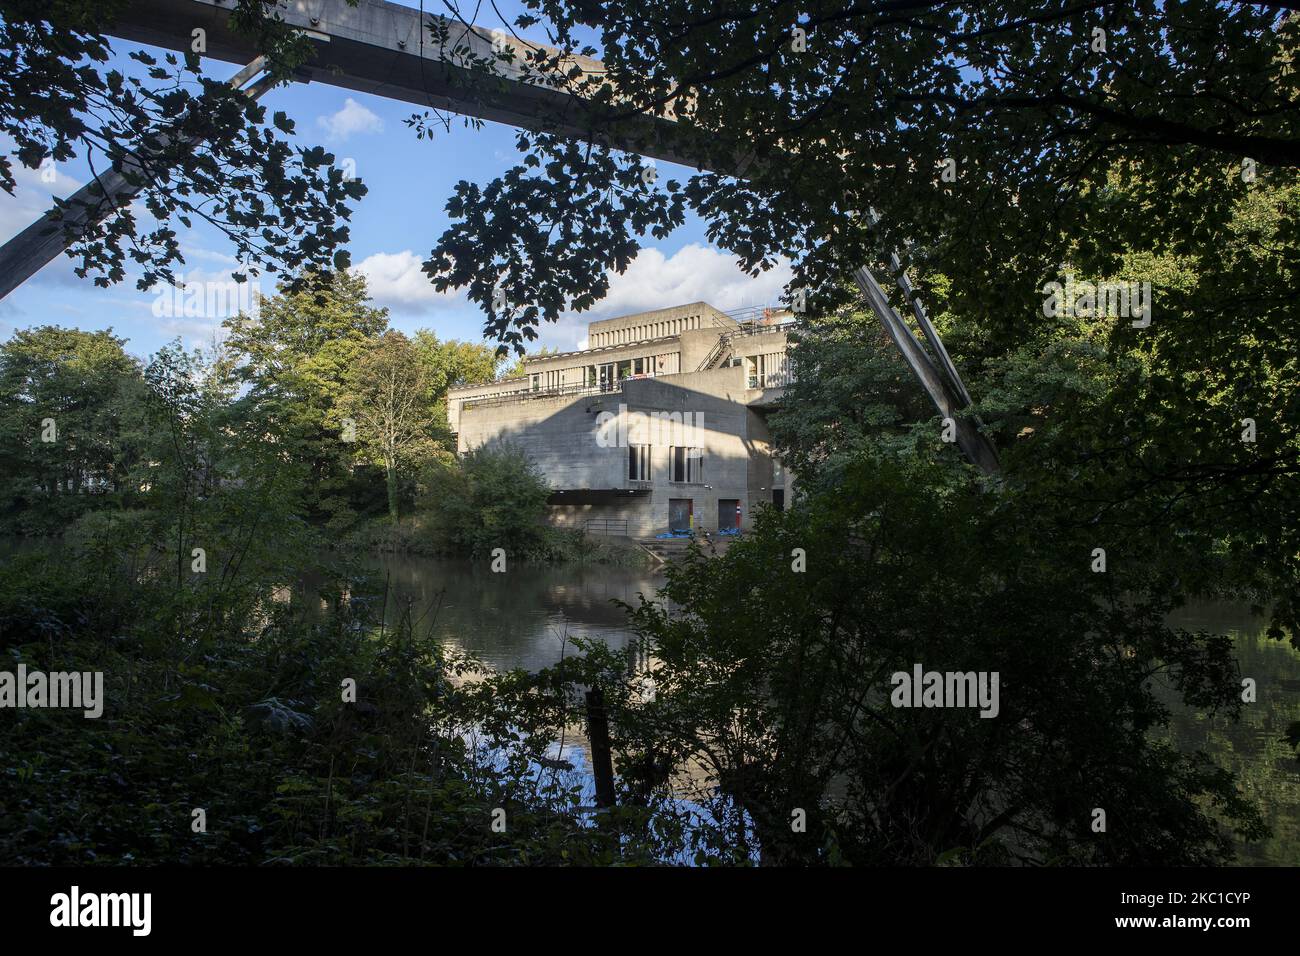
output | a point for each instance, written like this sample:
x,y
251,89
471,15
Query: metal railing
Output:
x,y
524,395
718,348
606,526
755,328
752,315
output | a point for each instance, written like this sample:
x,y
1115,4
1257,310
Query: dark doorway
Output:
x,y
778,499
679,514
728,514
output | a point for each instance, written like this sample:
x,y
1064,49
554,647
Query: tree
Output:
x,y
447,365
850,390
492,497
790,712
295,358
197,148
974,130
71,423
387,395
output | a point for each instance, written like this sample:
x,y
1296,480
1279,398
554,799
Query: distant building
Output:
x,y
661,425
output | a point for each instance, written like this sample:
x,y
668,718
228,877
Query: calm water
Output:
x,y
521,619
518,620
1253,748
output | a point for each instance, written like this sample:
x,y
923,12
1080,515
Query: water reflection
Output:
x,y
517,619
1253,748
520,618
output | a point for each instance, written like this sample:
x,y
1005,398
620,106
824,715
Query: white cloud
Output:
x,y
352,118
395,280
694,273
32,198
653,281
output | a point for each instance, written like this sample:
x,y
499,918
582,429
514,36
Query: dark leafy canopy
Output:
x,y
543,238
1162,150
200,150
1018,94
1137,435
778,684
1148,142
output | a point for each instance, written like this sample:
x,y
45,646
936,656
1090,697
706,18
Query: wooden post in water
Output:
x,y
602,759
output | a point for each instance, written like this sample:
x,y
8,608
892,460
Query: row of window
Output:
x,y
606,376
685,465
652,330
770,370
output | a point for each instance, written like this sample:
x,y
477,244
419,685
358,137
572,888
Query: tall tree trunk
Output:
x,y
392,488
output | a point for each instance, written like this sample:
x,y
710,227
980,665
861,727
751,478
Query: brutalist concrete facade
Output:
x,y
647,432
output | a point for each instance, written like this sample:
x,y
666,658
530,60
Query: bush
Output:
x,y
493,497
242,715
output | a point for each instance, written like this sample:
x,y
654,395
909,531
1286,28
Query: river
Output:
x,y
527,618
520,619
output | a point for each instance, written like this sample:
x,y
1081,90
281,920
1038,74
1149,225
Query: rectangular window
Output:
x,y
687,464
638,462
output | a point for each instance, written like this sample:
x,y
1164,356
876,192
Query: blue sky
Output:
x,y
393,229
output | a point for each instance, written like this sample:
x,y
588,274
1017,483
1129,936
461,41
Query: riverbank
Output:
x,y
416,535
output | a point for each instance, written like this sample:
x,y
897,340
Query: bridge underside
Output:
x,y
387,50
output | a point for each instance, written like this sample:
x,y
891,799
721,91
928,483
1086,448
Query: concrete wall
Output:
x,y
572,364
581,445
656,324
580,441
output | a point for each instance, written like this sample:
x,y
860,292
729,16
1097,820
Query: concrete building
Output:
x,y
660,425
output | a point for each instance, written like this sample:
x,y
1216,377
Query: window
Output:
x,y
638,462
686,464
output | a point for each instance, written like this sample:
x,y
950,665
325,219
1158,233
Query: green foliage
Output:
x,y
776,684
387,395
1028,103
493,497
241,713
447,365
850,391
517,237
83,391
197,148
295,362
